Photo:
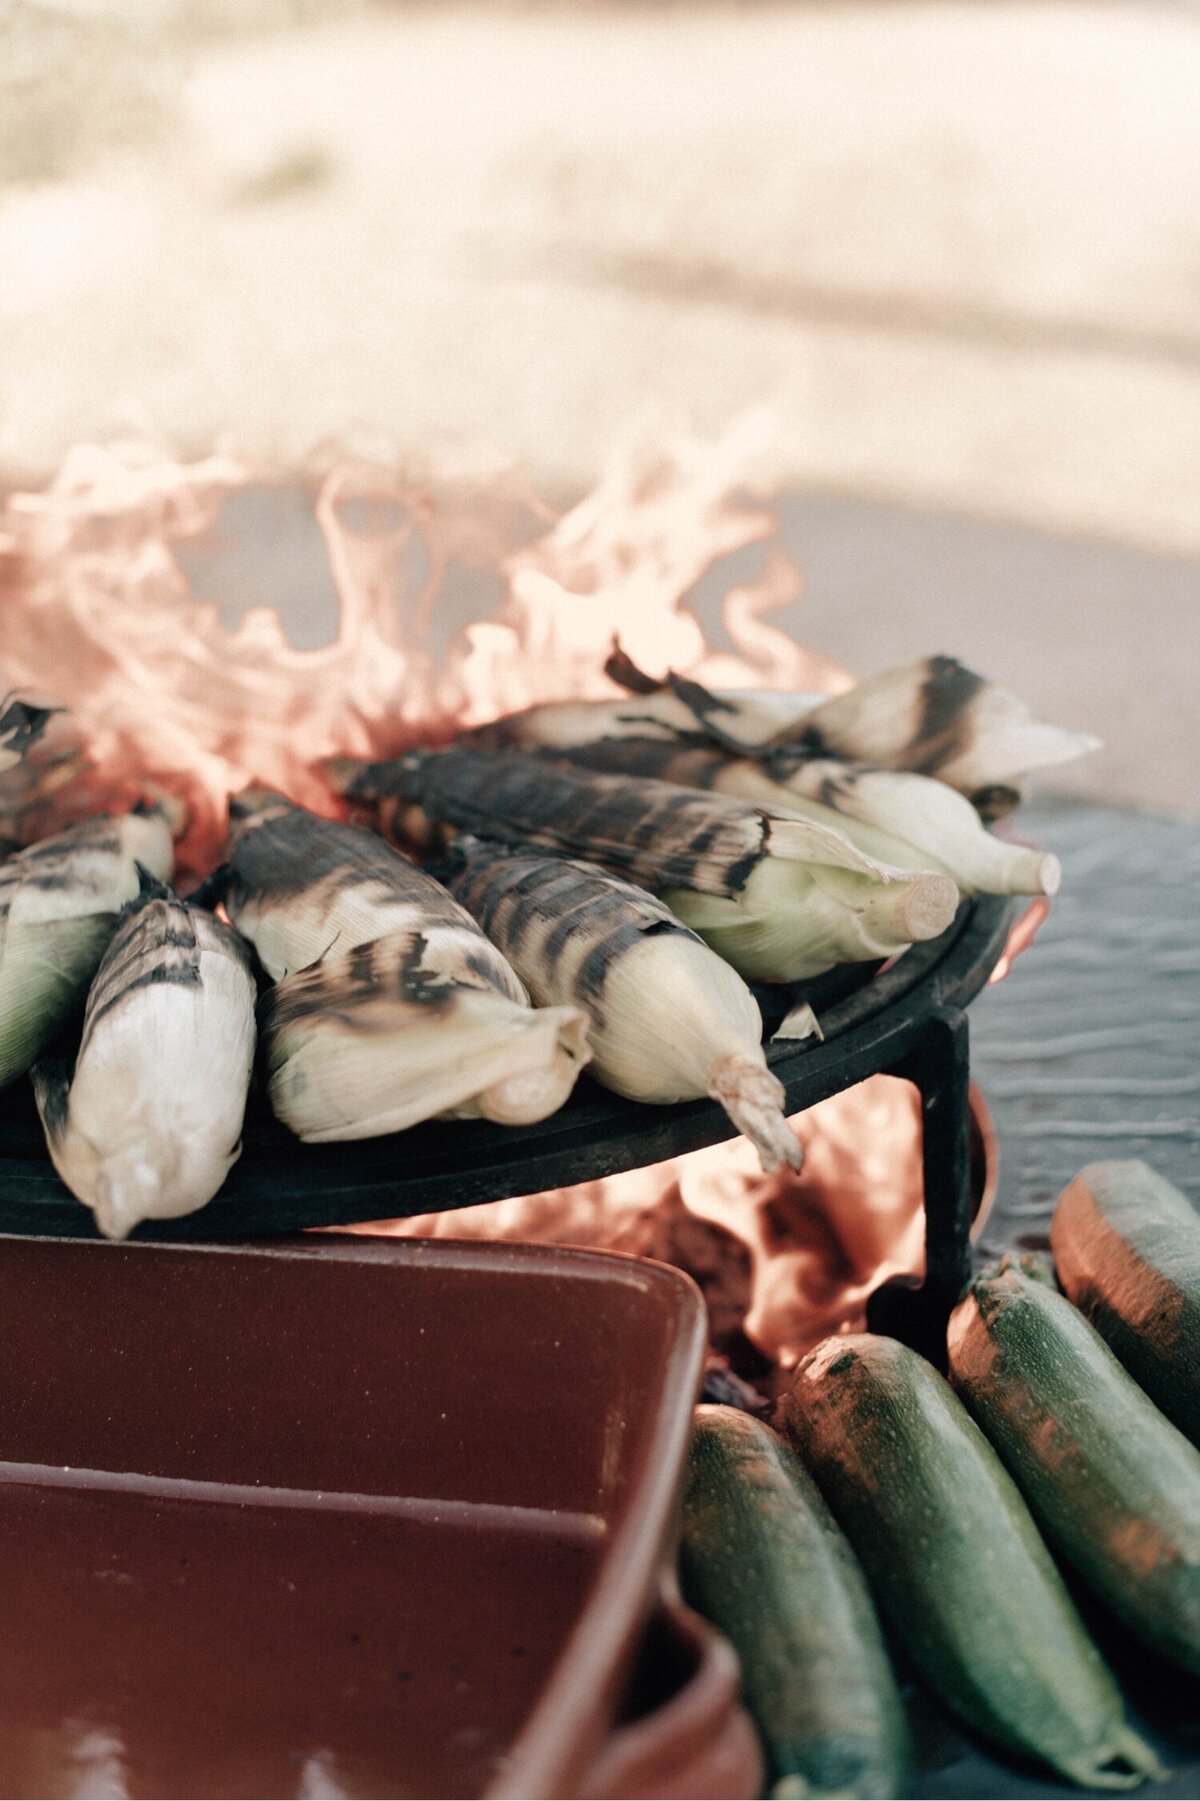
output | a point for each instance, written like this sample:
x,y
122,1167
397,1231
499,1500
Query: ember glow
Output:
x,y
97,617
783,1259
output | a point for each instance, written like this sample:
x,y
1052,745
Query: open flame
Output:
x,y
782,1260
97,616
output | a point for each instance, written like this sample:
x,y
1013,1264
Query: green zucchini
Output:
x,y
1114,1486
763,1559
956,1562
1127,1244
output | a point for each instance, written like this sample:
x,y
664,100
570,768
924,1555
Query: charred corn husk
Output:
x,y
658,833
932,717
936,717
390,1005
150,1122
779,896
905,820
663,715
59,902
300,888
669,1021
792,921
21,724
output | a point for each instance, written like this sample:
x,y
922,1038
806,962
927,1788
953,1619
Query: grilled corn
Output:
x,y
390,1006
669,1021
792,921
59,902
905,820
779,896
149,1124
932,717
936,717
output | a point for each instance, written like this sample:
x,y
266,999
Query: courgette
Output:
x,y
956,1562
763,1559
1127,1245
1114,1486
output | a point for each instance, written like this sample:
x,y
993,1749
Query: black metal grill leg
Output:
x,y
939,1067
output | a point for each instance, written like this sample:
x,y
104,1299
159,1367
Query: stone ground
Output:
x,y
955,248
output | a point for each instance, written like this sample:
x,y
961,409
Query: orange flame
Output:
x,y
97,616
782,1259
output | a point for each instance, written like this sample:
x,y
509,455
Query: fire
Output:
x,y
782,1260
98,618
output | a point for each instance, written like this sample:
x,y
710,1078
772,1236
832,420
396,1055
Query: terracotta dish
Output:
x,y
350,1518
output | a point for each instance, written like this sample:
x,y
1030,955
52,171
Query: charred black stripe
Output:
x,y
941,731
593,970
690,765
278,858
342,993
146,933
52,1088
185,975
589,913
785,759
517,896
643,827
702,701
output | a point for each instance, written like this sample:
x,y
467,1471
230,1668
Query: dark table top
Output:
x,y
1091,1048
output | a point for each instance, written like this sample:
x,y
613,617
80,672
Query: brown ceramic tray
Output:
x,y
362,1518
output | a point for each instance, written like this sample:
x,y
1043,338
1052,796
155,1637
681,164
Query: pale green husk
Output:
x,y
793,920
59,903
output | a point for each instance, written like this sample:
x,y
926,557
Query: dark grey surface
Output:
x,y
1091,1049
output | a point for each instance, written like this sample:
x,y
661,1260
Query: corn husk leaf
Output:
x,y
931,717
793,921
148,1124
905,821
301,888
370,1040
668,1020
917,821
936,717
390,1004
661,835
59,903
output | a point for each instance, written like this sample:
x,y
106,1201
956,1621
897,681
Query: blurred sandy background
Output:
x,y
956,247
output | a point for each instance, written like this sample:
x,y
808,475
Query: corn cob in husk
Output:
x,y
779,896
149,1123
932,717
936,717
669,1021
905,820
390,1005
59,902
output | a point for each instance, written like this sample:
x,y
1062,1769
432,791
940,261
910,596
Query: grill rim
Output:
x,y
282,1186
